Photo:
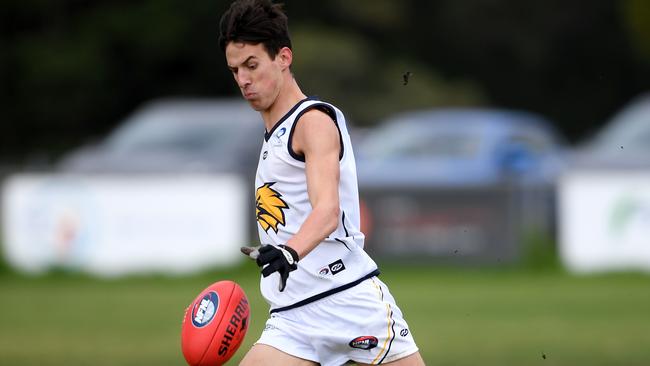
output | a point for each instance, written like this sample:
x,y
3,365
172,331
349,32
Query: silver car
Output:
x,y
623,143
176,136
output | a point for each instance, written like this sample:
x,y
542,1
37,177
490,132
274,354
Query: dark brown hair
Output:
x,y
254,22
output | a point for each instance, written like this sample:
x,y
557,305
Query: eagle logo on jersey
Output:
x,y
269,207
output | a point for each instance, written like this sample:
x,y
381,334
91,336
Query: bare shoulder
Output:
x,y
315,129
316,119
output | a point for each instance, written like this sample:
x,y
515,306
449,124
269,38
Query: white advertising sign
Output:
x,y
115,225
605,221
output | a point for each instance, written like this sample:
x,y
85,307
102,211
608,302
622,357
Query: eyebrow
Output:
x,y
245,61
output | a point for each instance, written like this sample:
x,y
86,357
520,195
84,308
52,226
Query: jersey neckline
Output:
x,y
267,135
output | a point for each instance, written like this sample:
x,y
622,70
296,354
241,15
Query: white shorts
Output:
x,y
361,324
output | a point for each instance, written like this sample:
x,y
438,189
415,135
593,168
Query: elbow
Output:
x,y
332,220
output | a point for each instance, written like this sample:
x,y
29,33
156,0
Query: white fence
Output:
x,y
115,225
605,220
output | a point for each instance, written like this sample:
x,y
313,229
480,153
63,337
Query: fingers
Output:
x,y
284,276
283,272
252,252
272,267
274,259
267,254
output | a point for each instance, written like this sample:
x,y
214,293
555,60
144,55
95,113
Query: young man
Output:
x,y
327,305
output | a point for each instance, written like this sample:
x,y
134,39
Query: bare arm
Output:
x,y
317,138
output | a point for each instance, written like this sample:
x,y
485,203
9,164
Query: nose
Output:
x,y
243,79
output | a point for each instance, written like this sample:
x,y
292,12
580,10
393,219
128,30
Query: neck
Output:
x,y
287,98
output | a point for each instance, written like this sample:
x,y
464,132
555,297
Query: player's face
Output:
x,y
258,76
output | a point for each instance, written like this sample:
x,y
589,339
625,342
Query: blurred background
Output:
x,y
503,153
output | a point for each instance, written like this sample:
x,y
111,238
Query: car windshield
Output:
x,y
419,140
168,132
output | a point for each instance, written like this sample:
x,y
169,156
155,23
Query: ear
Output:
x,y
285,57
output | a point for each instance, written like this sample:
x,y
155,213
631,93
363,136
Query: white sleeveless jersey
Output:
x,y
282,205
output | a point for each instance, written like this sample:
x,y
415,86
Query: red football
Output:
x,y
215,324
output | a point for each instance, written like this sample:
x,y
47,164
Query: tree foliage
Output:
x,y
72,69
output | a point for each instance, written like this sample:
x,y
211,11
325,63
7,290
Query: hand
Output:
x,y
252,252
282,259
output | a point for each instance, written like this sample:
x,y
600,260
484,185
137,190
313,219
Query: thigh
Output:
x,y
362,324
388,338
261,354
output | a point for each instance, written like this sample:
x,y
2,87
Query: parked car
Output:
x,y
176,136
460,147
458,184
624,141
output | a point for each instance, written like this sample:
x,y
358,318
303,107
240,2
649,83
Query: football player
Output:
x,y
327,305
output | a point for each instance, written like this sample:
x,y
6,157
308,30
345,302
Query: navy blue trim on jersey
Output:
x,y
343,222
267,135
327,293
342,242
328,110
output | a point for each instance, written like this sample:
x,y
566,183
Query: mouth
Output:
x,y
249,95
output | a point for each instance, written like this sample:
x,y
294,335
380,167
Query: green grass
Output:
x,y
458,316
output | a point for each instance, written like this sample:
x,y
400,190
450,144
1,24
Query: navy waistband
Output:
x,y
326,293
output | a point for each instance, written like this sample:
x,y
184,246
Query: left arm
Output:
x,y
317,138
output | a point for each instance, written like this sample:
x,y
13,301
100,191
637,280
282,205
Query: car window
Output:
x,y
419,140
170,133
534,143
443,145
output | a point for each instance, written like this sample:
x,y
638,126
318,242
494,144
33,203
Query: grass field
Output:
x,y
458,316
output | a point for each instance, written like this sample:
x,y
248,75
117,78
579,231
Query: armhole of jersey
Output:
x,y
328,111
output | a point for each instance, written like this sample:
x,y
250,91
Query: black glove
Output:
x,y
282,259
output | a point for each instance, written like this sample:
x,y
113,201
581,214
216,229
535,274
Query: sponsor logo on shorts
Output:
x,y
404,332
336,267
266,153
270,327
204,310
364,342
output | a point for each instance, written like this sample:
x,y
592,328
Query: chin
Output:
x,y
257,105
